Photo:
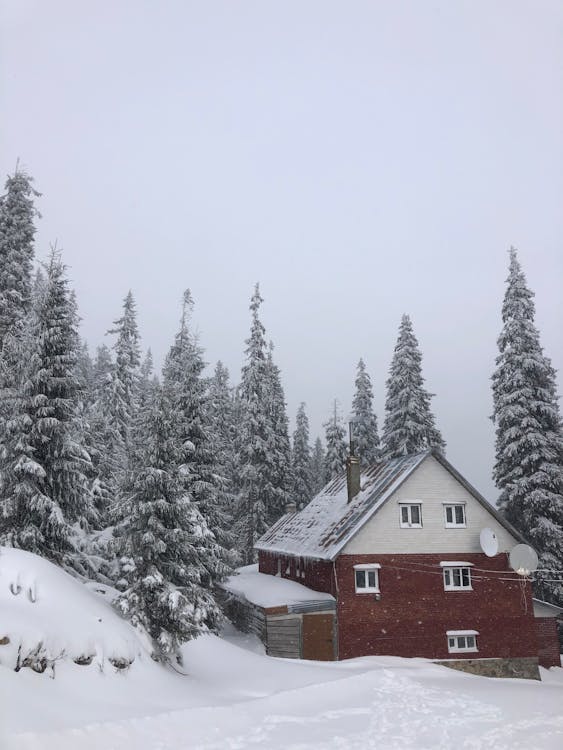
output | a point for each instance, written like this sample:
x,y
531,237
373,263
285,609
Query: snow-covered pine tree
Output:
x,y
279,450
254,440
17,230
85,373
317,467
160,537
528,468
44,485
302,490
409,423
105,443
124,389
366,437
186,388
102,367
221,414
336,448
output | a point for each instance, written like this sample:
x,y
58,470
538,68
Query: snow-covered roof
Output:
x,y
327,523
546,609
271,591
322,529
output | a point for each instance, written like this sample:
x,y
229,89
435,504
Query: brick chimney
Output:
x,y
352,465
353,476
290,507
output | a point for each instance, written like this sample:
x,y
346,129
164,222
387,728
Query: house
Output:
x,y
397,549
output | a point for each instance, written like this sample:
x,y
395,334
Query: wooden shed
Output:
x,y
293,621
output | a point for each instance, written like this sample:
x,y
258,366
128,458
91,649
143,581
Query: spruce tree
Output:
x,y
103,438
254,513
528,468
279,449
125,377
17,230
160,537
44,484
317,467
409,423
186,390
366,437
222,434
302,490
336,448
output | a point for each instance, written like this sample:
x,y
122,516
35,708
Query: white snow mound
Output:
x,y
48,616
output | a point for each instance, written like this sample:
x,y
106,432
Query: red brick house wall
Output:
x,y
414,612
548,642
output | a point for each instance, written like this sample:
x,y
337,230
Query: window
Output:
x,y
367,578
454,515
462,641
457,576
411,516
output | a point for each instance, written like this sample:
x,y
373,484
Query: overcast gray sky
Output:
x,y
359,159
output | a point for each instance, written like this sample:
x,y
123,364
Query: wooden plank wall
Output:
x,y
284,637
245,616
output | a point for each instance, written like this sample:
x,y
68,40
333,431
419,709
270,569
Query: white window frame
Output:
x,y
408,506
453,523
448,575
462,641
367,568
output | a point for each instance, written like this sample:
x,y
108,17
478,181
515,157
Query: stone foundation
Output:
x,y
524,667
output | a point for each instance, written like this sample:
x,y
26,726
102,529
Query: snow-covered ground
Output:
x,y
233,696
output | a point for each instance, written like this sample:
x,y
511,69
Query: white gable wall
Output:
x,y
431,485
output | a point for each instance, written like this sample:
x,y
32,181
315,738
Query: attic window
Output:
x,y
454,515
411,515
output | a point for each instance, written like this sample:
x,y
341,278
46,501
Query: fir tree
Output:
x,y
302,490
221,414
317,467
103,438
185,388
44,483
160,537
409,423
125,373
528,468
279,449
366,437
17,230
254,440
336,449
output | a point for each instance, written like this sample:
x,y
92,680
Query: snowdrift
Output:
x,y
48,616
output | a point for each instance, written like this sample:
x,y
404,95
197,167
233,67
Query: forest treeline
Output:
x,y
160,483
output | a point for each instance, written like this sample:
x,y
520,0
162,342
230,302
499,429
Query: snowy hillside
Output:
x,y
232,695
49,617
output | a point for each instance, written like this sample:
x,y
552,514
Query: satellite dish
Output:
x,y
489,542
523,559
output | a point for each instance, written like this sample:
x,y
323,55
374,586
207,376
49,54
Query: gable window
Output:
x,y
454,515
457,576
367,578
462,641
411,515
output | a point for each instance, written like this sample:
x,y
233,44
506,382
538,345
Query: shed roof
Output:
x,y
322,529
272,591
